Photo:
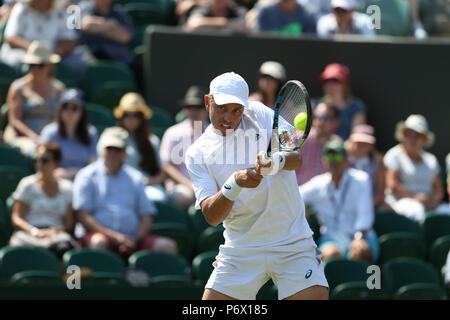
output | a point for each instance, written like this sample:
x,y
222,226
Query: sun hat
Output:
x,y
113,137
363,133
40,52
334,145
132,102
273,69
418,123
336,71
229,88
194,97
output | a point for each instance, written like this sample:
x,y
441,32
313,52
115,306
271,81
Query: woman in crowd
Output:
x,y
412,176
272,76
133,114
33,99
73,133
42,212
362,155
335,80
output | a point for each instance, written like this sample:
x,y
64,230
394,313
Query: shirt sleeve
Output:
x,y
23,191
14,27
324,26
47,134
145,205
309,192
390,160
204,183
365,212
83,193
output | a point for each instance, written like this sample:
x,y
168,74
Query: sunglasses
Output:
x,y
41,65
43,160
132,115
73,108
340,10
324,117
334,157
116,149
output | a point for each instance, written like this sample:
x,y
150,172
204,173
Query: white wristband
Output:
x,y
278,162
231,189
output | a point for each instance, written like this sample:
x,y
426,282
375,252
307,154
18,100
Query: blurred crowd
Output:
x,y
95,185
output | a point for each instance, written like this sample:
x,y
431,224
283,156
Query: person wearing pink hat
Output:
x,y
362,155
335,80
413,185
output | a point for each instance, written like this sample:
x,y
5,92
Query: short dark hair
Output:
x,y
55,151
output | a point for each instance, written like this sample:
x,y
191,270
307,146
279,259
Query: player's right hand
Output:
x,y
248,178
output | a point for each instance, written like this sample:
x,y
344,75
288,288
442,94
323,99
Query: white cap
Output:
x,y
273,69
113,137
344,4
229,88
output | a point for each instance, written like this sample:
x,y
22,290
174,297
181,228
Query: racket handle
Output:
x,y
265,159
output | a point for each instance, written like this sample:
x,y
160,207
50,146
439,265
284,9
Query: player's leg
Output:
x,y
311,293
211,294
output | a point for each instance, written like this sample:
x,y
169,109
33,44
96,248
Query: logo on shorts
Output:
x,y
227,186
308,274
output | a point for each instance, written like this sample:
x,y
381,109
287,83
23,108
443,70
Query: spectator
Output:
x,y
218,14
106,30
342,200
176,141
412,176
286,16
111,203
272,76
33,99
42,211
344,19
71,130
363,156
251,18
318,7
42,20
335,80
325,122
142,146
183,8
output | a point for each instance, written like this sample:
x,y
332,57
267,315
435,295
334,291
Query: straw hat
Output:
x,y
132,102
418,123
40,53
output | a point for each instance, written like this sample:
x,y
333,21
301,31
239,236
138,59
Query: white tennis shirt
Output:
x,y
269,216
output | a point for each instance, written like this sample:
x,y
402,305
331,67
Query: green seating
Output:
x,y
100,116
433,227
10,177
419,291
197,220
159,263
18,259
403,271
395,16
7,75
342,270
5,225
202,265
160,121
66,75
110,93
37,278
94,259
356,290
10,156
179,232
145,13
210,239
98,74
169,212
400,244
4,115
439,251
389,221
171,281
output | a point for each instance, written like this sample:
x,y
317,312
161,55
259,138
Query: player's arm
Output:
x,y
293,160
279,160
217,207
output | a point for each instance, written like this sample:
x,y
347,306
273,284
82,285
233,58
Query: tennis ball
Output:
x,y
300,121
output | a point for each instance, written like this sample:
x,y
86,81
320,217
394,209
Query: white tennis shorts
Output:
x,y
241,276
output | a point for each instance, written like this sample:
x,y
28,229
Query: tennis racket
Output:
x,y
292,100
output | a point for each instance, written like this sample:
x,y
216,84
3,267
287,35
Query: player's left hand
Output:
x,y
268,166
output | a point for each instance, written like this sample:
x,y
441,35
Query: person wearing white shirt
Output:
x,y
342,199
266,232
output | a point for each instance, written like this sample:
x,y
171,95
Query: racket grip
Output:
x,y
265,159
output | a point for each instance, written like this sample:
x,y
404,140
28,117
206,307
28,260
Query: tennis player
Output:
x,y
266,232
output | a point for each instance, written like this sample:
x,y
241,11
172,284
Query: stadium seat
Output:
x,y
356,290
197,220
5,225
179,232
342,270
100,116
439,251
419,291
110,93
171,281
145,13
159,263
18,259
37,278
66,75
7,75
395,17
202,265
403,271
210,239
169,212
98,74
10,177
160,121
434,226
400,244
389,221
10,156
